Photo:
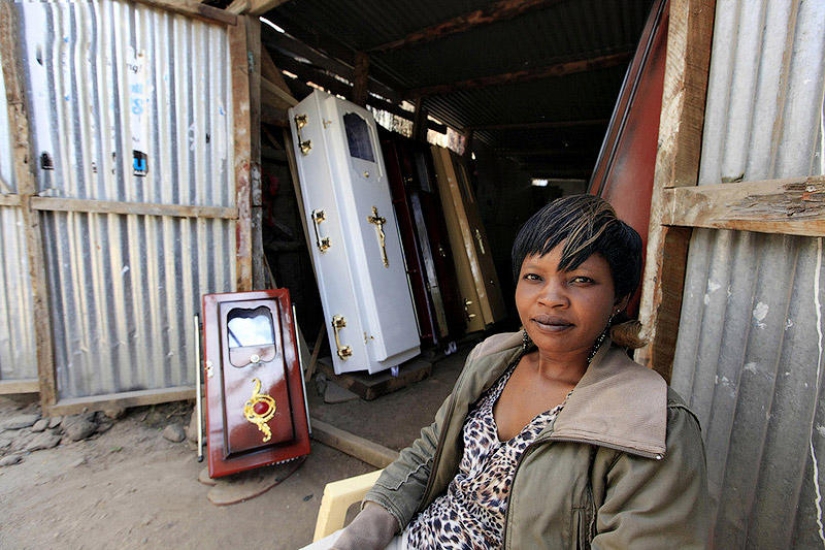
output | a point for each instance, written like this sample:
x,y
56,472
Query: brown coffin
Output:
x,y
424,238
255,407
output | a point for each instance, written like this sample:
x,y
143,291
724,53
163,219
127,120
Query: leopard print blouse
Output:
x,y
471,513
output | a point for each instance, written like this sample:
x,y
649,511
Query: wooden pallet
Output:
x,y
371,386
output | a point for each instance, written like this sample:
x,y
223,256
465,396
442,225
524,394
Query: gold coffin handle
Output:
x,y
322,243
338,322
480,241
305,145
467,313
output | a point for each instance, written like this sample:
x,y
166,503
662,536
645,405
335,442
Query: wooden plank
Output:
x,y
22,152
53,204
275,96
527,75
8,387
239,61
124,400
353,445
791,206
9,200
194,9
690,34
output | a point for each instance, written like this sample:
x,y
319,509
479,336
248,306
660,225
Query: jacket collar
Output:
x,y
617,404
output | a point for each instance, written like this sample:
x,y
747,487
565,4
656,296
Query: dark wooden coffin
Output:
x,y
424,239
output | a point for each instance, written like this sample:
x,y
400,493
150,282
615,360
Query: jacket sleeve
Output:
x,y
651,503
401,486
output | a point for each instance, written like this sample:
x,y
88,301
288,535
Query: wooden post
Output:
x,y
419,131
241,106
360,88
677,165
23,159
253,44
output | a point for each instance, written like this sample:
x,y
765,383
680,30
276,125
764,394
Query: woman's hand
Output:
x,y
372,529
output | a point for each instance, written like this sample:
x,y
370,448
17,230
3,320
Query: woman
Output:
x,y
552,437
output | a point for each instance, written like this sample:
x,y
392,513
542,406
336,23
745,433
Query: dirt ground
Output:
x,y
130,487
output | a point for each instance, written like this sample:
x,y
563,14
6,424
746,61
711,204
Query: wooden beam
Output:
x,y
195,9
12,387
241,70
274,96
332,57
337,87
552,71
253,7
353,445
494,13
272,73
53,204
795,206
10,200
125,400
690,35
260,7
23,157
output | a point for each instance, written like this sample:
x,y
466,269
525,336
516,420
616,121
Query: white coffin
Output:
x,y
361,274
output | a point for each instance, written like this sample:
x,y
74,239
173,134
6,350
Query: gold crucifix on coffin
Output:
x,y
379,222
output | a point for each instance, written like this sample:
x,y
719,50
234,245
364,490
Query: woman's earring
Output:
x,y
600,339
525,341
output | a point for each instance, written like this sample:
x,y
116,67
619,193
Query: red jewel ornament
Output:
x,y
261,407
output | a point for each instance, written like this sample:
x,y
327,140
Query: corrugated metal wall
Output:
x,y
131,105
17,344
749,356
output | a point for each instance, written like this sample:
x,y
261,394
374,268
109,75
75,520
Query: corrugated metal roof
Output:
x,y
548,33
749,356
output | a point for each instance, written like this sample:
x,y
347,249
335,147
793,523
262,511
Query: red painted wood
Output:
x,y
627,162
231,367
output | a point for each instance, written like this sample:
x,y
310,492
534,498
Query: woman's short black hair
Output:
x,y
587,225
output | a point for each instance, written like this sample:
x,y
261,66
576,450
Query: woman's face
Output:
x,y
565,311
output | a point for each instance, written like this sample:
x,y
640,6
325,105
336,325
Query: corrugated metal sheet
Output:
x,y
750,352
17,344
123,291
7,176
18,355
134,105
129,104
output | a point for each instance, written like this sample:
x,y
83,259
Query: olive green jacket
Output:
x,y
622,466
